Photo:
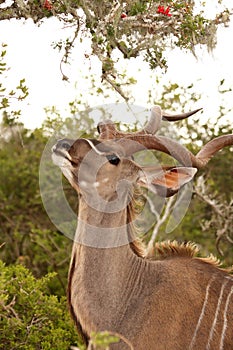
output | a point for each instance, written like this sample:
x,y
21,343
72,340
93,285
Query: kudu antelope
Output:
x,y
177,302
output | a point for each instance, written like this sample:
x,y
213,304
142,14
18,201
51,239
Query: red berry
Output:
x,y
123,15
48,5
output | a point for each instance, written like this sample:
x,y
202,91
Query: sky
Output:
x,y
30,55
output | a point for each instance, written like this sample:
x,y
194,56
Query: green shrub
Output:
x,y
30,318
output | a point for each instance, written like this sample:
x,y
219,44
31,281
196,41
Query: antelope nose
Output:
x,y
62,144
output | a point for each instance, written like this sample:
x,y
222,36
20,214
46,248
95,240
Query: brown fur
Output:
x,y
154,304
174,249
81,333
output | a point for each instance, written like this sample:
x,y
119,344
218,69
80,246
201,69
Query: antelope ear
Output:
x,y
166,181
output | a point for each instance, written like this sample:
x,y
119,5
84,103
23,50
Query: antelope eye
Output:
x,y
113,159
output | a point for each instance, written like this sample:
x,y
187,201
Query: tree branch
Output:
x,y
160,221
222,214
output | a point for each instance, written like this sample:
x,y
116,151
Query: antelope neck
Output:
x,y
104,280
99,227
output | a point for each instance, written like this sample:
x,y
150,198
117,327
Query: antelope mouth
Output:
x,y
60,153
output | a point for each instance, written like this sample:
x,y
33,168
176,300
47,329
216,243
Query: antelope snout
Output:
x,y
63,144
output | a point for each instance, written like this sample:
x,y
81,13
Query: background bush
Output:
x,y
30,317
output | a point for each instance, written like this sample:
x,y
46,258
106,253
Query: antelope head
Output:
x,y
96,169
104,170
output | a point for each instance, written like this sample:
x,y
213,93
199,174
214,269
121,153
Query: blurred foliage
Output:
x,y
102,340
30,317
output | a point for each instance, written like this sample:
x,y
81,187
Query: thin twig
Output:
x,y
115,86
160,221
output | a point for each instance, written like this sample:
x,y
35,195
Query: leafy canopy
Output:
x,y
126,29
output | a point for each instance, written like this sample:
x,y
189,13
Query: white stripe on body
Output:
x,y
216,315
224,328
202,314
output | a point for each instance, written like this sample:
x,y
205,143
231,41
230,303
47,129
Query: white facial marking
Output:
x,y
60,160
83,184
67,173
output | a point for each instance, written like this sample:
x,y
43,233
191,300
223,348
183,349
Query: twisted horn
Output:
x,y
145,139
108,130
157,115
135,143
213,146
154,122
174,118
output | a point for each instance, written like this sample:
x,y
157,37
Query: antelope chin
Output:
x,y
60,160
